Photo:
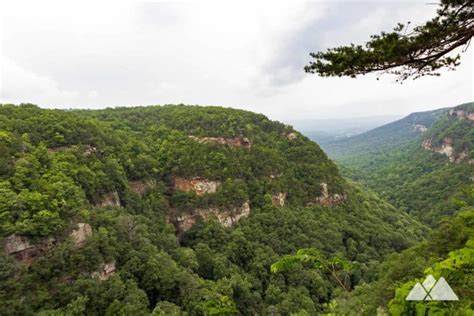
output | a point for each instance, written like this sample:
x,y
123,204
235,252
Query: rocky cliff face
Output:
x,y
461,115
227,217
446,148
327,199
81,234
233,142
199,186
110,199
23,250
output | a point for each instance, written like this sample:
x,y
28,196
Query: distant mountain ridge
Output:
x,y
421,163
329,130
384,137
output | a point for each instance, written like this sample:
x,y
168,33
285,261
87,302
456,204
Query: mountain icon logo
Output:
x,y
432,290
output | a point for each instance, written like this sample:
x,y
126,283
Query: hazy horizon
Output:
x,y
128,53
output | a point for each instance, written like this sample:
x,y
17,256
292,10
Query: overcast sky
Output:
x,y
242,54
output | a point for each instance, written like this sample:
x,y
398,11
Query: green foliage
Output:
x,y
457,270
379,140
424,50
448,252
75,308
418,181
67,167
316,261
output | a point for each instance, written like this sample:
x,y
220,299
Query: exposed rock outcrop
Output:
x,y
427,144
233,141
227,217
110,199
141,187
327,199
105,272
88,149
446,148
419,128
81,234
276,175
461,115
279,199
197,185
291,136
15,244
23,250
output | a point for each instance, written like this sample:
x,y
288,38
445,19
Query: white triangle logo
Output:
x,y
418,293
443,292
432,290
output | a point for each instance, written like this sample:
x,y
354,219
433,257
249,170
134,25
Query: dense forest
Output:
x,y
182,210
424,165
191,210
448,252
67,170
379,140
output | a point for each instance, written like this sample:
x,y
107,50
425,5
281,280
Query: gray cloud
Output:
x,y
339,25
240,54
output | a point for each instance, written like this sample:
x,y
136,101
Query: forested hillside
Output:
x,y
423,165
420,172
378,140
448,252
177,210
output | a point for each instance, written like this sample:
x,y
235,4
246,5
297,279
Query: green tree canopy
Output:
x,y
316,260
416,53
